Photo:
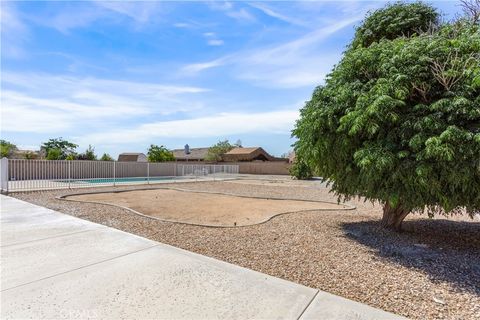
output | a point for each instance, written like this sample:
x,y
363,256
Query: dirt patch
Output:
x,y
201,208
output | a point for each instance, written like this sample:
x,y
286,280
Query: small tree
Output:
x,y
89,154
216,152
55,154
65,147
397,120
106,157
159,154
6,149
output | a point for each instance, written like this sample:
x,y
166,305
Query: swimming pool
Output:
x,y
122,180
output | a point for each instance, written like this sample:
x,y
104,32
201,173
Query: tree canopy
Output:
x,y
56,154
106,157
394,21
6,148
216,151
159,154
59,148
398,119
89,154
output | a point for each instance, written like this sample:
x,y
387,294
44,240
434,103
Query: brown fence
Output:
x,y
263,167
267,167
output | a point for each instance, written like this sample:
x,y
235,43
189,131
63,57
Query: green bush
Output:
x,y
301,170
216,152
159,154
6,149
54,154
106,157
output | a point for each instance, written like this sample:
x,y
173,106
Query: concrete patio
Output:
x,y
57,266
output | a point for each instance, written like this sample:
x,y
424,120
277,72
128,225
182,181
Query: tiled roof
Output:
x,y
195,154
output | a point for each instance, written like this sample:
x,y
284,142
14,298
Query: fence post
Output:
x,y
69,174
4,175
148,172
114,173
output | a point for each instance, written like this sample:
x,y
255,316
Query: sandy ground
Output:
x,y
429,271
204,208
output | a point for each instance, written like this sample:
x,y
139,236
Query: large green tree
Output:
x,y
398,119
159,154
216,152
58,148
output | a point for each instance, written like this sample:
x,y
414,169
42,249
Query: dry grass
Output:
x,y
430,271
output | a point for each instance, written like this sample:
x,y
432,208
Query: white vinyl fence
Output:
x,y
24,175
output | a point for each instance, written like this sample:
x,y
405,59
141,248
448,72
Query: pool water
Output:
x,y
120,180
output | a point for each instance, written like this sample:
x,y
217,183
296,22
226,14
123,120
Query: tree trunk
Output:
x,y
393,217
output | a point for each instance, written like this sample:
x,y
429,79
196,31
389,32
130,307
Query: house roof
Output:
x,y
131,156
195,154
239,150
248,154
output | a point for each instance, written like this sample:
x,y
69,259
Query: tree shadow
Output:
x,y
444,250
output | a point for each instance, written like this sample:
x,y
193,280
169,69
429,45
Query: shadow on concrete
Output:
x,y
444,250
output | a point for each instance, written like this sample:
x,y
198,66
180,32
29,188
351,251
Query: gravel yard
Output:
x,y
432,270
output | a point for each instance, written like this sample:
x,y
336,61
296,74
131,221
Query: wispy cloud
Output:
x,y
231,10
82,14
194,68
13,31
77,17
288,65
215,42
50,103
219,125
140,11
274,14
182,25
212,39
241,15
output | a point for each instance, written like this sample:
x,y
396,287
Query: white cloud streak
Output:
x,y
48,103
241,15
222,124
140,11
293,64
13,31
194,68
274,14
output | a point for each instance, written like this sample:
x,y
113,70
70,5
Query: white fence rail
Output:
x,y
24,175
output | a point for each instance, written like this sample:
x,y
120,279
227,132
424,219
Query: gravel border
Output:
x,y
429,271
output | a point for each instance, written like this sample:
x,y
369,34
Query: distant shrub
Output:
x,y
301,170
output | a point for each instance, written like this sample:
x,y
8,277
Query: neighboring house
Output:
x,y
194,154
249,154
132,157
26,154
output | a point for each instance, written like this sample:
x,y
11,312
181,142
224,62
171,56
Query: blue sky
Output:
x,y
124,75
